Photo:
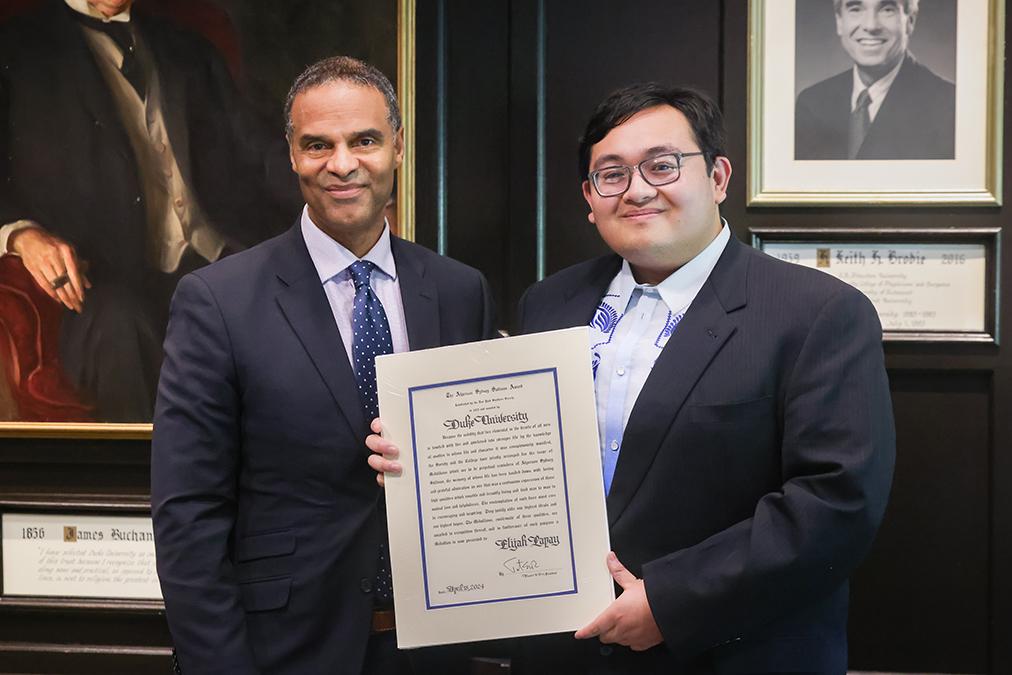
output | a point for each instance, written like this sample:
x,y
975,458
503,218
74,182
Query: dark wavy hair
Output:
x,y
703,115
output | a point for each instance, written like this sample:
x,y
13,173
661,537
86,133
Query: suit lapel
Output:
x,y
706,327
579,300
892,114
419,297
304,303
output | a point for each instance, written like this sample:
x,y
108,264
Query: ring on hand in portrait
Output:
x,y
60,281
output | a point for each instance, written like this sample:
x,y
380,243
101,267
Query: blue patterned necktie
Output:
x,y
370,335
370,338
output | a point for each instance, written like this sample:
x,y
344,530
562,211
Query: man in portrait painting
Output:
x,y
126,160
888,105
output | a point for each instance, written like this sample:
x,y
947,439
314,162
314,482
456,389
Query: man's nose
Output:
x,y
870,21
640,190
342,161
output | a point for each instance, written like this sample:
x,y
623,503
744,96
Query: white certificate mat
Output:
x,y
497,525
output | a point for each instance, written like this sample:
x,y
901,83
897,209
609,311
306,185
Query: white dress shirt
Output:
x,y
877,90
630,328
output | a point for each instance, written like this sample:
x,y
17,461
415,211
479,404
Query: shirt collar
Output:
x,y
83,7
332,260
681,286
878,89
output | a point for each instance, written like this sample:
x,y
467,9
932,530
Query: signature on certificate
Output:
x,y
514,565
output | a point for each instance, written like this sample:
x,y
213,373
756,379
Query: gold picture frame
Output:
x,y
405,82
973,177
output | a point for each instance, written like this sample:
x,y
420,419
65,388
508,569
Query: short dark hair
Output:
x,y
909,6
703,115
343,69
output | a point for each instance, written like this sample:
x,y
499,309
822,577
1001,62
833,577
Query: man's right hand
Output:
x,y
384,452
53,264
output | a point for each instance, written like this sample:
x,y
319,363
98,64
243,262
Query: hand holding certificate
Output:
x,y
497,524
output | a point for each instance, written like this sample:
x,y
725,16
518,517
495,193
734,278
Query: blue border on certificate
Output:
x,y
418,491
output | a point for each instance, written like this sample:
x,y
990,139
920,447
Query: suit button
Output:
x,y
366,585
606,650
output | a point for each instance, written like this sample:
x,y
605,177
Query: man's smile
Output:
x,y
345,191
641,214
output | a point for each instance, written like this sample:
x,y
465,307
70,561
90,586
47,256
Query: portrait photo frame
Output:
x,y
969,175
267,88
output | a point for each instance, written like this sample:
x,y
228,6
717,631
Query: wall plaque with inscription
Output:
x,y
934,288
79,556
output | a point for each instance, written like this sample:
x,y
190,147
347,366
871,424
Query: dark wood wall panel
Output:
x,y
58,659
478,131
463,134
935,595
52,467
920,601
592,48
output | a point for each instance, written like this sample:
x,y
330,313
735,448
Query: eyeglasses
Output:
x,y
612,181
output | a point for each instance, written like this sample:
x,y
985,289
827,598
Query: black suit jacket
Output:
x,y
266,514
66,161
754,471
917,119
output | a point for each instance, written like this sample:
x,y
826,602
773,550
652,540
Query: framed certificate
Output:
x,y
497,525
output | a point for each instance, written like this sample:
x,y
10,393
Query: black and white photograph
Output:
x,y
875,102
875,79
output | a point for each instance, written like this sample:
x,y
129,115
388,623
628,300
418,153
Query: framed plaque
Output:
x,y
928,129
50,557
928,285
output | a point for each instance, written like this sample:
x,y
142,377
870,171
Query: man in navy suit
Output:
x,y
743,410
744,414
268,523
888,106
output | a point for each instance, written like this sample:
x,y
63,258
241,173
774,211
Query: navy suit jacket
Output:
x,y
754,471
917,119
267,518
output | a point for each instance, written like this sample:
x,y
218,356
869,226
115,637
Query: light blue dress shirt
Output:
x,y
332,261
630,328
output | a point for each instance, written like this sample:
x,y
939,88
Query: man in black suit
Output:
x,y
888,106
743,409
127,158
268,524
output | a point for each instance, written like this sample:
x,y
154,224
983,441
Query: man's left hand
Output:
x,y
627,621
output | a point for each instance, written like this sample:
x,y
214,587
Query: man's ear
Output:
x,y
721,177
587,195
399,146
911,21
291,155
